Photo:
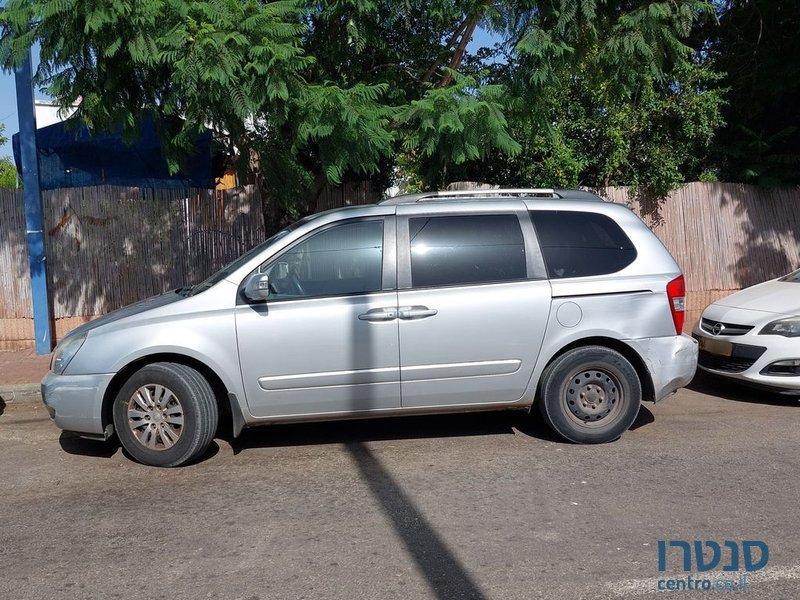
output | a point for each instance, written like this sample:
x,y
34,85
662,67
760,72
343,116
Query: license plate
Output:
x,y
720,347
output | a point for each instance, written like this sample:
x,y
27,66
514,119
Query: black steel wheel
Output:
x,y
590,395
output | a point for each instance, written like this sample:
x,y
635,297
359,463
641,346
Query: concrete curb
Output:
x,y
20,392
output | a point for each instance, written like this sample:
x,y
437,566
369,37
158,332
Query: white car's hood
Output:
x,y
781,297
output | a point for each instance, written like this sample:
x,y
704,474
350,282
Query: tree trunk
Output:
x,y
308,205
451,42
272,212
275,214
455,63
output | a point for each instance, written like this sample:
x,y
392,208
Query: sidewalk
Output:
x,y
20,375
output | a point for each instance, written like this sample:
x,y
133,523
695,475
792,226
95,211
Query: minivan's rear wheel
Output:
x,y
165,415
590,395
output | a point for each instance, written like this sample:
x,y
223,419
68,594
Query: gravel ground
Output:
x,y
469,506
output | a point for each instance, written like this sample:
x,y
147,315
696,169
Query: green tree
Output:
x,y
755,45
304,92
619,99
8,173
307,92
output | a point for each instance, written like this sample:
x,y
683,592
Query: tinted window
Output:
x,y
580,244
792,277
345,259
468,249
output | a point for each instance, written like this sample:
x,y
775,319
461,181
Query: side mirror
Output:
x,y
257,287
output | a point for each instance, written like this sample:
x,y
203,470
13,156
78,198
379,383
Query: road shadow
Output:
x,y
404,428
71,443
447,578
533,425
213,450
2,406
645,417
367,430
711,385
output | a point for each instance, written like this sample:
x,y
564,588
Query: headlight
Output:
x,y
786,327
65,352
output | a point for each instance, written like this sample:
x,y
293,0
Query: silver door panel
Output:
x,y
316,355
480,346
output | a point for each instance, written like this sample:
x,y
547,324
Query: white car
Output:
x,y
754,335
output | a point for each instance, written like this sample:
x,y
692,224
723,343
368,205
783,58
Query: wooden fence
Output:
x,y
725,236
110,246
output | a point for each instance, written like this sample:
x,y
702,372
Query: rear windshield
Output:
x,y
792,277
581,244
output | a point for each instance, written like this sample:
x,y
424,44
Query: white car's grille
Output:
x,y
720,328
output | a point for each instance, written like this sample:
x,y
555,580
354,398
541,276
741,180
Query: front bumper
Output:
x,y
751,354
672,362
75,402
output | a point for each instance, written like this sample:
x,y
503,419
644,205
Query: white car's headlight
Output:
x,y
65,352
786,327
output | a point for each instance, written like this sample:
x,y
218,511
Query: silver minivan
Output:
x,y
429,303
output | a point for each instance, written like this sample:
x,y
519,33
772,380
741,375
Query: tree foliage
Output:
x,y
606,97
303,92
308,92
755,45
8,173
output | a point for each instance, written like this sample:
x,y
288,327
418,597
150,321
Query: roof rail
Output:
x,y
490,193
481,193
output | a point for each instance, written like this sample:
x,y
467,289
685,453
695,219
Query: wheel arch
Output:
x,y
645,378
231,418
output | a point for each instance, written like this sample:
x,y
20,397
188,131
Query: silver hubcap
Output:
x,y
593,395
155,416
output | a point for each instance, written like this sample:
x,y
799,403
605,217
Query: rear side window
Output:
x,y
581,244
457,250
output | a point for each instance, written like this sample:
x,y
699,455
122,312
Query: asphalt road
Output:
x,y
473,506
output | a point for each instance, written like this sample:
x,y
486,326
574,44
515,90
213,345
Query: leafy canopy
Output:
x,y
756,48
8,173
588,113
307,92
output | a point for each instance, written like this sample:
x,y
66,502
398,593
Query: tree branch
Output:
x,y
459,53
463,31
437,63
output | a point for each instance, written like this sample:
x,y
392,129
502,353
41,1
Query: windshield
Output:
x,y
243,259
792,277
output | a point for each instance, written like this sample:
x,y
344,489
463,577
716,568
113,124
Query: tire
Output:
x,y
165,415
590,395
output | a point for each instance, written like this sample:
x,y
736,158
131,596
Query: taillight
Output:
x,y
676,292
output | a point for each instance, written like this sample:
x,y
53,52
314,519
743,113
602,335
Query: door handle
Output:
x,y
379,314
416,312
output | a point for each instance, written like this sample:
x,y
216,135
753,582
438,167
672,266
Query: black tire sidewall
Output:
x,y
181,386
557,376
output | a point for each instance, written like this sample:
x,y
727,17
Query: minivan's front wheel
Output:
x,y
165,415
590,395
